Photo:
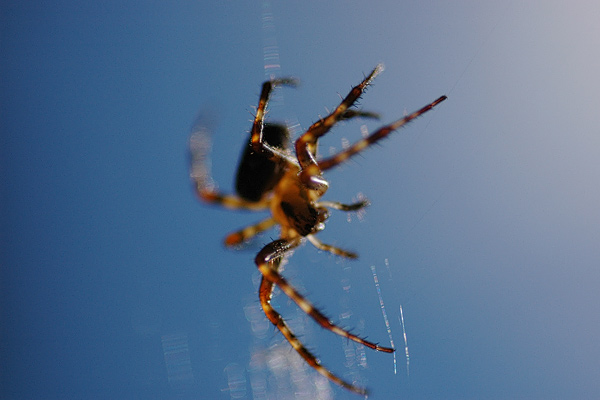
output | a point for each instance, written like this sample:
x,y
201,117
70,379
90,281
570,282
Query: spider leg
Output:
x,y
278,249
332,249
236,238
306,145
200,145
343,207
265,293
258,144
374,137
233,202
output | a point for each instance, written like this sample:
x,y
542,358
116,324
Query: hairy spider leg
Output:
x,y
276,250
343,207
238,237
332,249
381,133
229,201
256,133
306,145
268,261
257,141
265,292
204,186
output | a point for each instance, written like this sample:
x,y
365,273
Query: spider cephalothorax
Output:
x,y
290,187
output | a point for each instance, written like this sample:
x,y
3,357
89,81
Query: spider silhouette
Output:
x,y
290,186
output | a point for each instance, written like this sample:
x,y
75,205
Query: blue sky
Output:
x,y
484,221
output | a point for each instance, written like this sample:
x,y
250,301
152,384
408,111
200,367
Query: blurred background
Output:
x,y
484,224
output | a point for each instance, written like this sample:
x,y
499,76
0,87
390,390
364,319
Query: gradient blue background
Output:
x,y
114,282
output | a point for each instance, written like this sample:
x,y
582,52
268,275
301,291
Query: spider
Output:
x,y
290,186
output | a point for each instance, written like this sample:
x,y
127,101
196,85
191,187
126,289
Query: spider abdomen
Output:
x,y
257,174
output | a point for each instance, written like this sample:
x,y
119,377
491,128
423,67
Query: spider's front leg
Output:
x,y
257,140
268,261
376,136
306,145
265,293
200,146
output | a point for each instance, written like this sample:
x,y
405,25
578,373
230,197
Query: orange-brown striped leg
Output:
x,y
274,251
265,292
343,207
374,137
200,145
332,249
229,201
237,238
306,145
256,133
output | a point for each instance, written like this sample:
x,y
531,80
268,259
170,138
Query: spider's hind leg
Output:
x,y
265,293
267,261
